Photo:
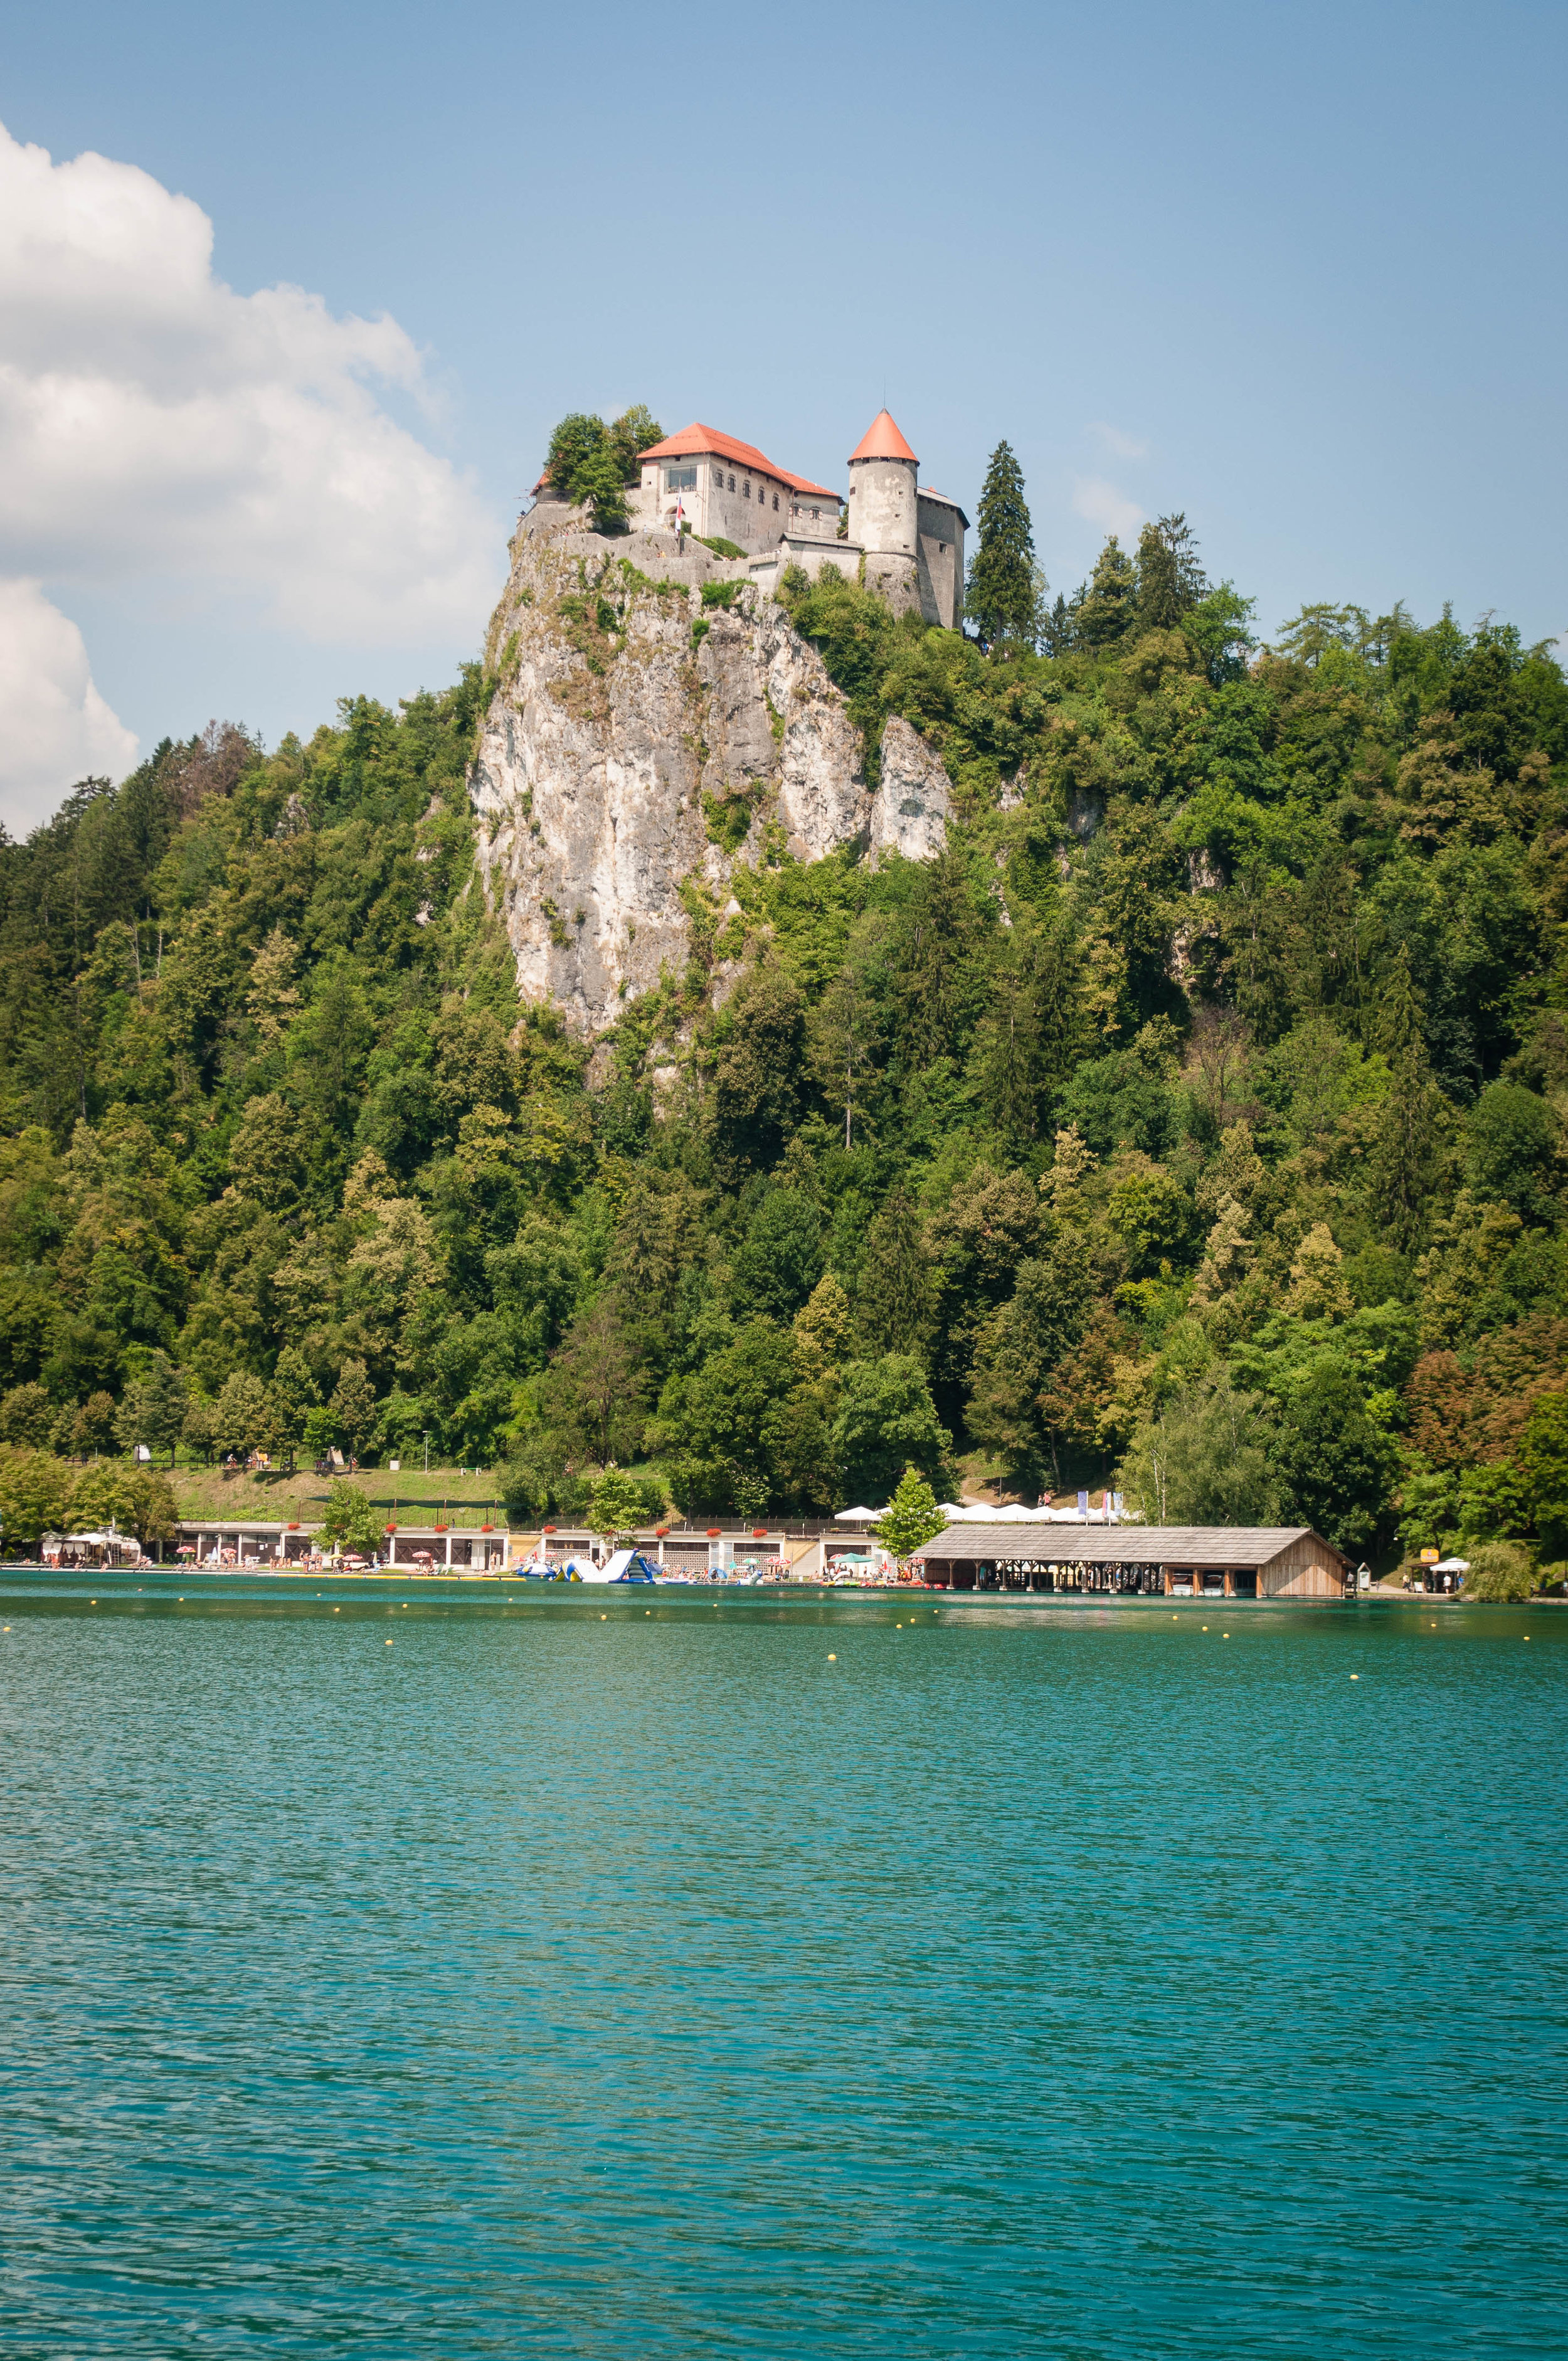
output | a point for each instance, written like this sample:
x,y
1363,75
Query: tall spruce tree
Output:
x,y
1002,599
1110,602
1159,590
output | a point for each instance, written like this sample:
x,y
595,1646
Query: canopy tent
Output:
x,y
981,1512
857,1515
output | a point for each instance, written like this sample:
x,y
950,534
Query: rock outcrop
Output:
x,y
642,744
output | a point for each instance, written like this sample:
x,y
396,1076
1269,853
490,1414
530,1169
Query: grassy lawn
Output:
x,y
446,1494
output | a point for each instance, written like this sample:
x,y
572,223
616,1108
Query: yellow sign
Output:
x,y
1428,1557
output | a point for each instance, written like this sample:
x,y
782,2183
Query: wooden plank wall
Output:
x,y
1307,1569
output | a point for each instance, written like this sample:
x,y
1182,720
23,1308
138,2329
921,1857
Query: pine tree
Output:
x,y
897,1289
911,1517
1192,582
1110,602
1159,591
1002,597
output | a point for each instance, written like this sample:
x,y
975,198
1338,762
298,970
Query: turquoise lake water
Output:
x,y
625,1978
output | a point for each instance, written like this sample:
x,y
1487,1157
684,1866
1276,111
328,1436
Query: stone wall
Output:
x,y
882,505
942,556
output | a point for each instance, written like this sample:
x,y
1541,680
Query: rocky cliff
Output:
x,y
643,742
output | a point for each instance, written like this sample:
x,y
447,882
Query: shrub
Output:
x,y
1501,1573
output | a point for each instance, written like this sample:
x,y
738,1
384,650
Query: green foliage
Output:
x,y
721,594
1500,1574
349,1521
911,1517
1002,597
1197,1110
35,1497
619,1503
885,1422
592,463
1206,1458
719,546
133,1499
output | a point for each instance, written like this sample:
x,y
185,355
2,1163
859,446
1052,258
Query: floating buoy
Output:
x,y
337,1610
1355,1676
604,1619
832,1660
388,1643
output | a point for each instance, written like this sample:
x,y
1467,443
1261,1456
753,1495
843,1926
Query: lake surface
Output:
x,y
623,1977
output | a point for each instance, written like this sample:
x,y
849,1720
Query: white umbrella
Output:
x,y
857,1516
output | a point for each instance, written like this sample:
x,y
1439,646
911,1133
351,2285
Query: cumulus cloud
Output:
x,y
1120,446
157,426
54,727
1103,504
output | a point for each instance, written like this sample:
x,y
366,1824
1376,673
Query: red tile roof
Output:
x,y
882,440
697,440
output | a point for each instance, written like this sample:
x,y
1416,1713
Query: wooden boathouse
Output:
x,y
1173,1561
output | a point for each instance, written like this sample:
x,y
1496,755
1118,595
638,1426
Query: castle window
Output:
x,y
747,490
732,483
775,500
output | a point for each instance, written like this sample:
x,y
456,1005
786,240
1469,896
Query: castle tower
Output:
x,y
884,506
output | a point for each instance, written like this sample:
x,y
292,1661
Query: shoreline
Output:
x,y
121,1583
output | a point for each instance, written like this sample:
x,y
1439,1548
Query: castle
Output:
x,y
909,538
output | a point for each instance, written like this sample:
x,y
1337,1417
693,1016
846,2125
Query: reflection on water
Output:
x,y
703,1975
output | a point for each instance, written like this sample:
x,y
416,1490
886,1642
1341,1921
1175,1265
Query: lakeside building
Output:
x,y
1172,1561
782,1553
266,1544
899,536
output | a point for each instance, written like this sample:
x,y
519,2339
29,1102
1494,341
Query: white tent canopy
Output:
x,y
857,1516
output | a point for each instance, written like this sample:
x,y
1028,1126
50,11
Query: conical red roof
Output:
x,y
882,440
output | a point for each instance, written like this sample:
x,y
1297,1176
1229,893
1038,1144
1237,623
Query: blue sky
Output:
x,y
1297,271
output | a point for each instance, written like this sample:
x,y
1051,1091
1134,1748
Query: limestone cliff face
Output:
x,y
641,746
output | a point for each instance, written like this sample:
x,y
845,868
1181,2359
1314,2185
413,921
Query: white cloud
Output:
x,y
1120,446
156,427
54,727
1101,504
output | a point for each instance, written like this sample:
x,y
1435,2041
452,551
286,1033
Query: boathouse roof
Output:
x,y
1221,1545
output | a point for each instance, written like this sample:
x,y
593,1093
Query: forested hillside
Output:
x,y
1197,1114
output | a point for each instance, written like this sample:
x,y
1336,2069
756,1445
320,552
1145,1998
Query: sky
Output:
x,y
291,298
